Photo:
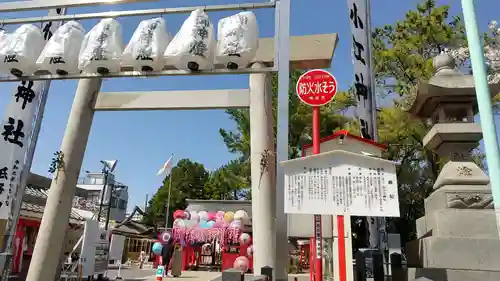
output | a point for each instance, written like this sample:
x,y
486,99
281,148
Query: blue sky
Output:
x,y
142,141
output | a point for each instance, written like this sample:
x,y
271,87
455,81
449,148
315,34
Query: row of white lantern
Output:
x,y
70,50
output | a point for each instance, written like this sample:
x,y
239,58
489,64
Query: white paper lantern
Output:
x,y
145,50
102,48
238,40
20,53
194,45
60,54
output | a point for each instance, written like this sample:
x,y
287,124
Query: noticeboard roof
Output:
x,y
340,153
346,133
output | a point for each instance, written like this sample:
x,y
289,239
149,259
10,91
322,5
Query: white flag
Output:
x,y
166,167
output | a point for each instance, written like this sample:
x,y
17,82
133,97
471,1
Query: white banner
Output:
x,y
16,128
361,52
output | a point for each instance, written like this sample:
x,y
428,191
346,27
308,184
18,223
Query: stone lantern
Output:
x,y
457,238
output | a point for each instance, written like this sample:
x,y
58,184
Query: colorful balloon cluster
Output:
x,y
206,220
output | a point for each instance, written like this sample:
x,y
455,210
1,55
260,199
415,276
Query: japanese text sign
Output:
x,y
341,183
316,87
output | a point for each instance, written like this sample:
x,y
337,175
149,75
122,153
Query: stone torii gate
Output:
x,y
313,51
274,55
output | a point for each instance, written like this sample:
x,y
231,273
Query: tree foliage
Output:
x,y
188,181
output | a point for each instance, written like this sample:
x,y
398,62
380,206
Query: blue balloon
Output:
x,y
157,247
210,224
204,224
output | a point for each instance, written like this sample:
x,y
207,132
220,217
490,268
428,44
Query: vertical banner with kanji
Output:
x,y
359,17
16,130
361,52
16,133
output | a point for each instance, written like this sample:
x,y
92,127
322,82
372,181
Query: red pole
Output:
x,y
341,246
318,237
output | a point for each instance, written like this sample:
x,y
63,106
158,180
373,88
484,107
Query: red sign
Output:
x,y
316,87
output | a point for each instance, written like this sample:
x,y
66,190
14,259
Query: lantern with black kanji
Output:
x,y
194,45
145,50
60,54
102,48
238,40
24,46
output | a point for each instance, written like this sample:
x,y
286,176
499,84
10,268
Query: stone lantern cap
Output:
x,y
446,86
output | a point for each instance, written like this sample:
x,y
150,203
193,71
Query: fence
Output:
x,y
376,269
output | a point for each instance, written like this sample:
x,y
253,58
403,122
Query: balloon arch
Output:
x,y
218,231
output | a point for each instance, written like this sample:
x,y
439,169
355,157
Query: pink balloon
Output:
x,y
212,216
179,214
241,263
220,215
218,224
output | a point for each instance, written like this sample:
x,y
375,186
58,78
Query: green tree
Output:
x,y
229,181
188,181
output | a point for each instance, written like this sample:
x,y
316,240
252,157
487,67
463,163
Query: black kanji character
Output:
x,y
202,21
25,93
360,87
4,173
47,33
358,23
242,19
16,162
56,60
2,189
58,11
202,32
10,58
15,132
198,48
144,57
364,129
357,49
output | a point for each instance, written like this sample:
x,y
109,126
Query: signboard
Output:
x,y
101,252
116,247
341,183
95,249
316,87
